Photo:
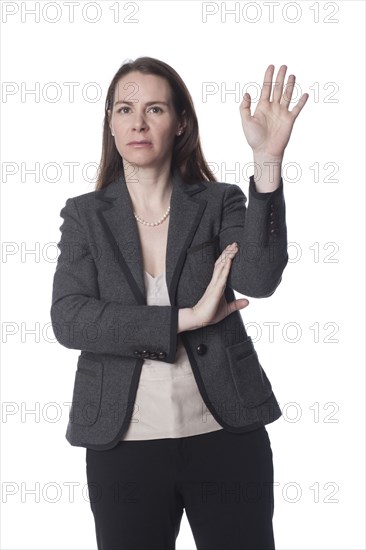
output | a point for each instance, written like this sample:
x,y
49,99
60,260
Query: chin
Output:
x,y
142,159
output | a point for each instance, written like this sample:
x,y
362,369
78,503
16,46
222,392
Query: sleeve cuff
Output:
x,y
263,196
173,335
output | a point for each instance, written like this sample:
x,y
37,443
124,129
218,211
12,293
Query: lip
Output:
x,y
141,143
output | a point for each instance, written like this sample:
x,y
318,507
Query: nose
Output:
x,y
139,122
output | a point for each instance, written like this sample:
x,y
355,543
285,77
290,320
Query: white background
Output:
x,y
315,360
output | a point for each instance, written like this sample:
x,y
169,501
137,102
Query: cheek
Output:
x,y
162,129
166,138
121,148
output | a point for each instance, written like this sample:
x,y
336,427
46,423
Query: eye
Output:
x,y
155,107
119,110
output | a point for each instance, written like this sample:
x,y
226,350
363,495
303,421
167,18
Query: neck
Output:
x,y
150,189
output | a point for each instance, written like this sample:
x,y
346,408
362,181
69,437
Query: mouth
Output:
x,y
142,143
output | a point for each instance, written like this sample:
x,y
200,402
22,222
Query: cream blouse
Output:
x,y
168,402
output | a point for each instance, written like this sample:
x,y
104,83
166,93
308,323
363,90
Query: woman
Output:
x,y
158,231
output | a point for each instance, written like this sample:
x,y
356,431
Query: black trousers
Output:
x,y
223,480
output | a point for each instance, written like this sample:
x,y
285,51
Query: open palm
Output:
x,y
269,129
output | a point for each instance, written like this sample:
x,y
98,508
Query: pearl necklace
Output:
x,y
152,224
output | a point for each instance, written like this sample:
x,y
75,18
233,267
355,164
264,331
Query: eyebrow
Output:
x,y
147,103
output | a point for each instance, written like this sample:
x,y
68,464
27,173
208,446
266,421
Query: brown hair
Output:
x,y
187,155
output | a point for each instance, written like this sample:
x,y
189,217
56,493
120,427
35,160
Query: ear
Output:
x,y
183,121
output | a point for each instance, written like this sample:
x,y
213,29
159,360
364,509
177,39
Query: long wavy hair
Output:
x,y
187,155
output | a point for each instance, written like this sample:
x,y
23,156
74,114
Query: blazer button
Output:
x,y
272,206
145,353
201,349
153,355
137,353
161,354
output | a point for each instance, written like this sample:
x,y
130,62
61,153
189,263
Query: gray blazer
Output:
x,y
99,302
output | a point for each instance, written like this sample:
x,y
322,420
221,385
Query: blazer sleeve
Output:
x,y
82,321
261,233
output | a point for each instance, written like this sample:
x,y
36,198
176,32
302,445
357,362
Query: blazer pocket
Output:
x,y
87,394
250,379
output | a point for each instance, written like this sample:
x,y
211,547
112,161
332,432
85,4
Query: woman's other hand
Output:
x,y
213,307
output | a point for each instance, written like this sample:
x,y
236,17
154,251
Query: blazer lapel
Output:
x,y
116,216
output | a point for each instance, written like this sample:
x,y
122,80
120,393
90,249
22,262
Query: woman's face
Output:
x,y
143,111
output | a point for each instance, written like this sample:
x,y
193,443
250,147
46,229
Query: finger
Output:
x,y
244,106
267,83
235,305
278,86
300,104
229,248
229,251
287,94
222,266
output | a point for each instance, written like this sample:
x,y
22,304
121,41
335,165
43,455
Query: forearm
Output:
x,y
85,323
267,172
260,230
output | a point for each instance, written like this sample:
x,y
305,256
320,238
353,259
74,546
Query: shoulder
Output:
x,y
221,188
87,197
225,191
88,201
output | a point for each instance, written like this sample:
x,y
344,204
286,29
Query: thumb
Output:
x,y
238,304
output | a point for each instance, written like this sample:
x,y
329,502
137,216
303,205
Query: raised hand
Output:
x,y
269,129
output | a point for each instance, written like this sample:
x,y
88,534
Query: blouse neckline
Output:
x,y
157,276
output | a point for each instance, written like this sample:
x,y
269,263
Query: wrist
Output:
x,y
263,155
186,319
267,172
